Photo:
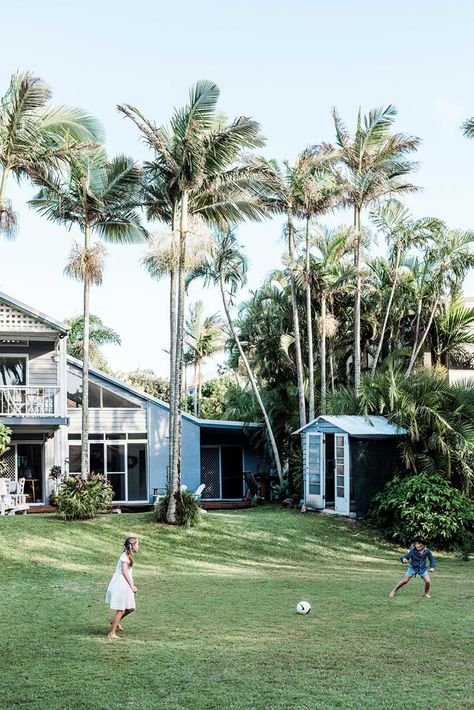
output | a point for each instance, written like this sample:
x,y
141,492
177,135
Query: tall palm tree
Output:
x,y
204,337
453,329
99,197
198,168
36,136
401,232
99,334
442,269
372,166
330,271
227,269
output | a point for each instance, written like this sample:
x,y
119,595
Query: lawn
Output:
x,y
216,625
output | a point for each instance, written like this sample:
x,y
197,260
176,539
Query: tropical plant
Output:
x,y
99,197
425,505
80,499
204,337
372,166
198,168
188,512
228,270
452,331
99,334
5,437
148,382
36,136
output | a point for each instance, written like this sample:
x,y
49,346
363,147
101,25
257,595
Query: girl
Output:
x,y
121,590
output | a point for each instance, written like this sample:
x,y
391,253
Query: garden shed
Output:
x,y
347,460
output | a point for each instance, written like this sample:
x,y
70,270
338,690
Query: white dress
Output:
x,y
119,595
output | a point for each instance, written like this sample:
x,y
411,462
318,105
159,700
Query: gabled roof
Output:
x,y
33,312
355,425
214,423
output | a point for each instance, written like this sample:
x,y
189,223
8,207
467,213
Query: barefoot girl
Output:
x,y
121,590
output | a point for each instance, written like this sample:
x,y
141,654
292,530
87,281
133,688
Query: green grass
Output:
x,y
216,625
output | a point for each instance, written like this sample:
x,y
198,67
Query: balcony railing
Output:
x,y
28,401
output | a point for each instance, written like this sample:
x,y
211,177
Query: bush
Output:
x,y
189,515
425,505
79,499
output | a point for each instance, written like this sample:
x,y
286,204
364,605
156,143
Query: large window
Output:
x,y
123,461
99,397
13,370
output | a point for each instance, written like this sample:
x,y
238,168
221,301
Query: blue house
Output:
x,y
41,399
347,460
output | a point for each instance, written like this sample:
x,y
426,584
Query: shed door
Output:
x,y
314,470
341,459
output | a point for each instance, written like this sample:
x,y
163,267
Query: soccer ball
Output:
x,y
303,607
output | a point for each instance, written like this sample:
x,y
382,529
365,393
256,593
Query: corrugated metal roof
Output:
x,y
355,425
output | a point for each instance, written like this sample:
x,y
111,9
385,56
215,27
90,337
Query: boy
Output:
x,y
416,559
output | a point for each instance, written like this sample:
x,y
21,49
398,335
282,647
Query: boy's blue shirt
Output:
x,y
418,559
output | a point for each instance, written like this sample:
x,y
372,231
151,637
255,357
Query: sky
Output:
x,y
285,64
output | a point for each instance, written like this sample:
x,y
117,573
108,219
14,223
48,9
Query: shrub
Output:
x,y
189,516
79,499
425,505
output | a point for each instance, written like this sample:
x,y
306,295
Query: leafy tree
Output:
x,y
198,168
203,337
148,382
99,197
372,166
36,136
100,334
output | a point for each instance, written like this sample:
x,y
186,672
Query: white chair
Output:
x,y
20,497
7,505
198,492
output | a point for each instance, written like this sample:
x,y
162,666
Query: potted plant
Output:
x,y
55,473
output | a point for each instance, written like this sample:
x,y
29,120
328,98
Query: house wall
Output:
x,y
42,370
109,420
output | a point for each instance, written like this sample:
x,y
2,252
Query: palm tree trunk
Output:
x,y
199,390
252,381
3,185
357,250
417,347
387,313
85,369
296,329
195,392
175,463
323,353
172,395
309,326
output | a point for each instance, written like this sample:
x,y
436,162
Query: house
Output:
x,y
41,398
347,460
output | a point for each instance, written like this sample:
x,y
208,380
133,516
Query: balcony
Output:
x,y
29,401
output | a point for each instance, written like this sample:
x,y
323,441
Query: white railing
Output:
x,y
28,401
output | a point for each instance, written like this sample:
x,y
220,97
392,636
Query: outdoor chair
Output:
x,y
10,503
198,492
253,488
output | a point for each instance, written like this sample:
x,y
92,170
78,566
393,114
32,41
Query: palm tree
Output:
x,y
468,128
453,329
99,197
197,169
331,272
401,232
442,269
35,136
372,166
227,269
99,334
204,336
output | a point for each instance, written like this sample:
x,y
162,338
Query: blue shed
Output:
x,y
347,460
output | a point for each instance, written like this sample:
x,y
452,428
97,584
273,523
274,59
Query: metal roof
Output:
x,y
355,425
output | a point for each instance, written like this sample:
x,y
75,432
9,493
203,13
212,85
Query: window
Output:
x,y
13,370
74,459
99,397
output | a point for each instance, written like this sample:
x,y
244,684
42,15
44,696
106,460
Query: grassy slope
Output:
x,y
216,626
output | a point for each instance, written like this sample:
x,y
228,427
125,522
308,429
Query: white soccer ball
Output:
x,y
303,607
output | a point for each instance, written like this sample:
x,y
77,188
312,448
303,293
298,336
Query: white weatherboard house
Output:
x,y
347,460
40,400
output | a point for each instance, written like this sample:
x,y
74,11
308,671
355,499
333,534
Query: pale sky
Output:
x,y
283,63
